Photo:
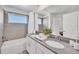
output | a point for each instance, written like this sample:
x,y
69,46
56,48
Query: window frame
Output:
x,y
17,14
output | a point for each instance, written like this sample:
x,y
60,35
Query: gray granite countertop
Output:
x,y
66,50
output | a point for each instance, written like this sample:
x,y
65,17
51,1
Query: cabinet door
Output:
x,y
32,46
39,51
27,44
32,49
43,50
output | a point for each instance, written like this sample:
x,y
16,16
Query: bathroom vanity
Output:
x,y
36,46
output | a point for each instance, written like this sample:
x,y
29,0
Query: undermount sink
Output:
x,y
55,44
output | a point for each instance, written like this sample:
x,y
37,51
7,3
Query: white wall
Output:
x,y
70,25
31,22
56,23
1,24
36,21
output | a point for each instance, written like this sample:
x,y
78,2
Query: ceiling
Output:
x,y
61,9
44,9
27,8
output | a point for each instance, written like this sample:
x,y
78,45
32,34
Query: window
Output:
x,y
45,22
39,21
16,18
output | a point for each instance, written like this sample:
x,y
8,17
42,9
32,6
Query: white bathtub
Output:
x,y
13,46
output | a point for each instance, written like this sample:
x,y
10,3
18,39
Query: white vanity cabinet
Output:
x,y
30,45
39,51
34,47
43,50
